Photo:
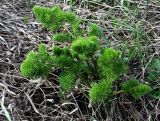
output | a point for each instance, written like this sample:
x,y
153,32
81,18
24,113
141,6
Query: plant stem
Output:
x,y
95,68
115,93
69,31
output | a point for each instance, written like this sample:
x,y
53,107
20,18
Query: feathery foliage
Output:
x,y
140,90
37,64
67,81
135,88
62,37
85,47
126,86
53,18
82,58
100,91
111,64
57,51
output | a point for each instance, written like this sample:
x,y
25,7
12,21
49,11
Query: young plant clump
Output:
x,y
82,59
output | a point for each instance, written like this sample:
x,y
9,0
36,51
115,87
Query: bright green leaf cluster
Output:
x,y
135,88
67,81
53,18
111,64
85,47
100,91
37,64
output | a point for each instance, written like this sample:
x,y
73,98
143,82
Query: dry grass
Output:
x,y
36,100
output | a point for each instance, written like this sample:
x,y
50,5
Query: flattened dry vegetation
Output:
x,y
128,29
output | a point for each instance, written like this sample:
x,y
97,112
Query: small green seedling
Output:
x,y
26,19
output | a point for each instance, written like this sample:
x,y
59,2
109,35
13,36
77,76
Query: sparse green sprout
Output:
x,y
153,70
37,64
94,30
26,19
67,81
111,64
85,47
133,53
135,88
100,91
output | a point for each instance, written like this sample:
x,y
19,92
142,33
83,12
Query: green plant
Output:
x,y
111,64
126,86
81,58
140,90
100,91
153,75
154,70
67,81
54,18
26,19
85,47
37,64
135,88
62,37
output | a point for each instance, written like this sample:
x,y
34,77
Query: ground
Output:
x,y
25,99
